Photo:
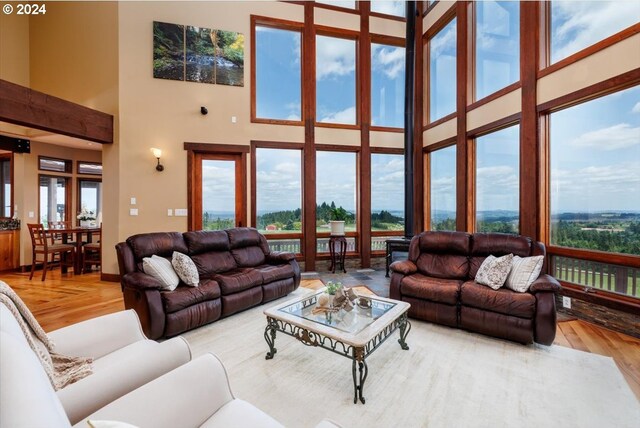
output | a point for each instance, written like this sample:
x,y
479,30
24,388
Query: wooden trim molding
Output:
x,y
364,158
109,277
604,298
25,107
442,21
216,148
496,125
440,121
386,151
309,163
440,145
628,260
337,8
464,150
499,93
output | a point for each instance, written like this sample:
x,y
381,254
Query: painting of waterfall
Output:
x,y
198,54
201,55
168,51
229,58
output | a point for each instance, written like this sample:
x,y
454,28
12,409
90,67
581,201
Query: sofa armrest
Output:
x,y
405,267
545,283
99,336
203,389
279,257
141,280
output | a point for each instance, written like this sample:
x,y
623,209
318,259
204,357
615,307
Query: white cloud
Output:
x,y
497,188
389,7
347,115
614,137
389,59
588,22
636,108
334,57
444,41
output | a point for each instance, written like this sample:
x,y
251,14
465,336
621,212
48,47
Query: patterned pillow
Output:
x,y
185,268
161,269
494,271
525,270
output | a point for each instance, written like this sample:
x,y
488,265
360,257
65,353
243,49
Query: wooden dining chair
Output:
x,y
92,253
41,246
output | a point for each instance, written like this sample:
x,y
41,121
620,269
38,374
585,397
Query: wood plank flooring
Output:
x,y
66,299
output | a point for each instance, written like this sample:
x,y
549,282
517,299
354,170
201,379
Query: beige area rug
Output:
x,y
448,378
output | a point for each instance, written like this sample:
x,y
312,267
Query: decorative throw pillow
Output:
x,y
161,269
109,424
185,268
524,271
494,271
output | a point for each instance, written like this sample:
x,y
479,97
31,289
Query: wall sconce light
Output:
x,y
158,153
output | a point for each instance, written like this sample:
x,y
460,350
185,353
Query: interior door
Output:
x,y
220,192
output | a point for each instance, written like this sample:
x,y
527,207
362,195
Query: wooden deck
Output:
x,y
67,299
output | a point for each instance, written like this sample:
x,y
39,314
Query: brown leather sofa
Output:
x,y
237,271
438,281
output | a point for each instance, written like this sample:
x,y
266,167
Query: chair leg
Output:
x,y
33,265
44,266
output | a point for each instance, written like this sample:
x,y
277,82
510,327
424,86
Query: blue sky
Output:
x,y
387,182
335,80
595,155
278,180
336,179
442,72
218,186
387,85
443,180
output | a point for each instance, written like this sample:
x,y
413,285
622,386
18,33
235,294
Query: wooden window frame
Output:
x,y
355,36
79,181
68,199
9,156
355,10
196,152
386,15
474,101
256,144
78,163
372,233
546,67
381,39
434,30
426,7
68,165
278,24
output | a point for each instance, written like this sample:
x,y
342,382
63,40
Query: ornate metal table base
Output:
x,y
358,355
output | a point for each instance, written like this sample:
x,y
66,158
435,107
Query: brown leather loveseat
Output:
x,y
438,281
237,271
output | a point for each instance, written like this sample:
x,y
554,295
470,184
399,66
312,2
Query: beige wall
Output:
x,y
14,48
26,185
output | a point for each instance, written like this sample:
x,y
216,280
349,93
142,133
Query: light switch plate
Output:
x,y
170,212
181,212
31,214
133,201
234,119
133,211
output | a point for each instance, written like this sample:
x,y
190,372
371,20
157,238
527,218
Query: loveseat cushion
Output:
x,y
185,296
248,256
202,241
161,244
429,288
442,254
238,280
496,244
272,273
213,262
502,301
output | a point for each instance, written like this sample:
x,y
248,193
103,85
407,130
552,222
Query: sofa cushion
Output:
x,y
502,301
494,271
248,256
496,244
203,241
272,273
524,272
238,280
240,413
162,270
447,266
185,268
444,242
241,237
161,244
213,262
184,296
429,288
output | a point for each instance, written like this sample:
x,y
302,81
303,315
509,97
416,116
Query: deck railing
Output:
x,y
602,276
378,243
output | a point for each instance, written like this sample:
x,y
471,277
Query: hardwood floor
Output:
x,y
67,299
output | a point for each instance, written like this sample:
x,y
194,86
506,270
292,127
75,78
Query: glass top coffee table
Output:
x,y
355,334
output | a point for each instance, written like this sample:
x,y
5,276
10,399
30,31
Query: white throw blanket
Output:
x,y
62,370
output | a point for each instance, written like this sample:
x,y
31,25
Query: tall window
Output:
x,y
90,196
335,80
5,186
389,7
498,181
219,202
497,44
278,190
387,85
442,72
335,194
53,199
387,197
442,165
278,74
576,25
595,174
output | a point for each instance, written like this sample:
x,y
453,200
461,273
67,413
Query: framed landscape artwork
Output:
x,y
198,54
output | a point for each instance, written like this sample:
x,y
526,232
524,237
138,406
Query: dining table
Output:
x,y
75,234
